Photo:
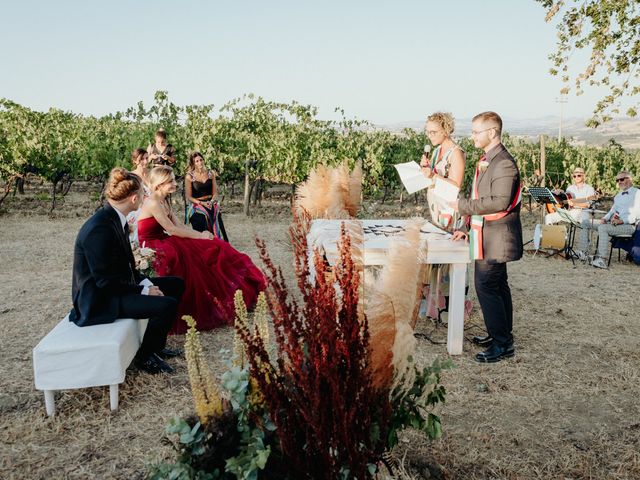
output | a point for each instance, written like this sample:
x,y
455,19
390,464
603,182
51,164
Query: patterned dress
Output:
x,y
436,277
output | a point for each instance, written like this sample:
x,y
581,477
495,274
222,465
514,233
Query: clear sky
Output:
x,y
384,61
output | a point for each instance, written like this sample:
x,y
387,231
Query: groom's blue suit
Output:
x,y
105,282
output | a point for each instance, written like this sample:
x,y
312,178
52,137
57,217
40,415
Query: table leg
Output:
x,y
50,402
113,396
455,332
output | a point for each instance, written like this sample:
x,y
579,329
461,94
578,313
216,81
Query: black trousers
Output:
x,y
161,312
494,295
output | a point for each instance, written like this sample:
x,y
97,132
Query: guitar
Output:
x,y
564,199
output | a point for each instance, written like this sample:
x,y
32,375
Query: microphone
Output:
x,y
426,151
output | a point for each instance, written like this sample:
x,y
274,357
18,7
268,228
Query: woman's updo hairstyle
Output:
x,y
445,120
122,184
159,175
137,155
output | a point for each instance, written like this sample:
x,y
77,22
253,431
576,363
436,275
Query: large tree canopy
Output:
x,y
611,30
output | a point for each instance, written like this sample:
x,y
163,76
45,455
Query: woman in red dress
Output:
x,y
211,268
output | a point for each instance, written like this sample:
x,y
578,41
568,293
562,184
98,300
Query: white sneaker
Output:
x,y
581,255
599,262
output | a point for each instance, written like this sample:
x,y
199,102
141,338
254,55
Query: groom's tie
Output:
x,y
130,260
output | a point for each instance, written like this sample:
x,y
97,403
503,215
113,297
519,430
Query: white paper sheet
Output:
x,y
412,177
445,192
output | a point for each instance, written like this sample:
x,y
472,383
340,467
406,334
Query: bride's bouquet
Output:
x,y
144,258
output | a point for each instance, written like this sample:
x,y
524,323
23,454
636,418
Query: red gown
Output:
x,y
212,271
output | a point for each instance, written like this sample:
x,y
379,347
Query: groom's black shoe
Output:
x,y
495,353
170,353
153,364
483,341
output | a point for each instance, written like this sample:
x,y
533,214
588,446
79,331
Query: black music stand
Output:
x,y
542,196
574,225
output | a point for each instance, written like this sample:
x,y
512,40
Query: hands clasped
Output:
x,y
459,235
155,291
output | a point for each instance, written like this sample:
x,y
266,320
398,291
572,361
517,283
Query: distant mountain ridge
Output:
x,y
625,131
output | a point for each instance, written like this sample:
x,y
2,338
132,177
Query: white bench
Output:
x,y
71,357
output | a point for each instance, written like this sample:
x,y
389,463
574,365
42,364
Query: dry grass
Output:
x,y
565,407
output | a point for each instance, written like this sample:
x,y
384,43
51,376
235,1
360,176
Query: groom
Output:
x,y
106,285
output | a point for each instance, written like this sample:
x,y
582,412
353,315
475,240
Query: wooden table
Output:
x,y
440,250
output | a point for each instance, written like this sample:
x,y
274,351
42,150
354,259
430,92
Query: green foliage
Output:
x,y
611,31
253,453
191,443
411,405
286,140
198,447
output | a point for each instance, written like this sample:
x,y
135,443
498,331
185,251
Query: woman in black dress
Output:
x,y
201,191
161,152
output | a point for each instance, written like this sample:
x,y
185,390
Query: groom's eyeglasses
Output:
x,y
478,132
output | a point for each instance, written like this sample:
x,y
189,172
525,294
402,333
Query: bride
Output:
x,y
211,268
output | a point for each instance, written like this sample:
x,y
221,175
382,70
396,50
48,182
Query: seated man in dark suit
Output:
x,y
106,285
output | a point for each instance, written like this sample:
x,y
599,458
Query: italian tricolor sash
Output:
x,y
477,221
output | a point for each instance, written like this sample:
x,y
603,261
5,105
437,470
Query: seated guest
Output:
x,y
140,162
106,285
581,194
619,220
212,269
201,190
161,152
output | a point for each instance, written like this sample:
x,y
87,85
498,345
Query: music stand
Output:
x,y
542,195
569,252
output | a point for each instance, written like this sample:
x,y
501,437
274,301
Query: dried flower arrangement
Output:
x,y
328,398
331,192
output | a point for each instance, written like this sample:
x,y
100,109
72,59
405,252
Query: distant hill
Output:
x,y
625,131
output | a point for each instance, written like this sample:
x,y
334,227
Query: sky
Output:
x,y
383,61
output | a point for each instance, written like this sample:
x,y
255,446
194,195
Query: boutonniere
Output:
x,y
483,165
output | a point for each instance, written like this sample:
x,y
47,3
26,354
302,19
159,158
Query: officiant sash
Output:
x,y
477,221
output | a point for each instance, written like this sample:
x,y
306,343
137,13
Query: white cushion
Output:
x,y
70,356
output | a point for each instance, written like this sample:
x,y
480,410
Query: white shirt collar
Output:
x,y
122,218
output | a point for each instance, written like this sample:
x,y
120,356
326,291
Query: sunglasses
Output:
x,y
619,180
578,175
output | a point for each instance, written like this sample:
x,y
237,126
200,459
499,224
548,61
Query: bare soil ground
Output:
x,y
565,407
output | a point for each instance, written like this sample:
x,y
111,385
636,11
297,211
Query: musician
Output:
x,y
620,220
580,194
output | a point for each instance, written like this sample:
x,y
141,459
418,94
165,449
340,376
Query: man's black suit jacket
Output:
x,y
103,269
497,187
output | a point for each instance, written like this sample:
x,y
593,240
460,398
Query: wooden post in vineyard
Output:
x,y
543,172
543,163
247,187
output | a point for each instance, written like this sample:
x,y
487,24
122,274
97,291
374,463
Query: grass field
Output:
x,y
565,407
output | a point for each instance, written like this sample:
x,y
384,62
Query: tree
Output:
x,y
611,30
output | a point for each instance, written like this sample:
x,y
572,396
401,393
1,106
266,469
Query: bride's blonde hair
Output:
x,y
159,175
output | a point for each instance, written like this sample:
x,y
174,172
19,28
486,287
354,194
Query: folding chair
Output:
x,y
620,242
